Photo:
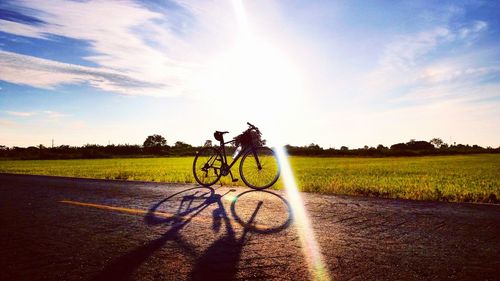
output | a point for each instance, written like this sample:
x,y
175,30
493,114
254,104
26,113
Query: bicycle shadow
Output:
x,y
280,224
219,261
123,267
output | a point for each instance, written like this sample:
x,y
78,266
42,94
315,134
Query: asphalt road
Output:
x,y
72,229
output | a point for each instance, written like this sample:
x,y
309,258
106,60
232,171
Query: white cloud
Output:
x,y
138,51
452,91
404,53
46,113
53,114
454,78
409,62
448,72
401,57
20,29
42,73
472,30
21,113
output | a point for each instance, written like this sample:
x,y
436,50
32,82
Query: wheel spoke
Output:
x,y
268,172
205,166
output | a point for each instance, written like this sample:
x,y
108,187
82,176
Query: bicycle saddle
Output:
x,y
219,135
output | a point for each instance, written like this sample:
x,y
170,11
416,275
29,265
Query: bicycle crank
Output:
x,y
224,170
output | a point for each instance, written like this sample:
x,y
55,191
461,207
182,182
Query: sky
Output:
x,y
334,73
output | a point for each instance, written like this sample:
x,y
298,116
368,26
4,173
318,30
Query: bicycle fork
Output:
x,y
259,166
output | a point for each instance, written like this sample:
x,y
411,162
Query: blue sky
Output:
x,y
329,72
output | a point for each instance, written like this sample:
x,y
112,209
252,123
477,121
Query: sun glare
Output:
x,y
254,69
255,73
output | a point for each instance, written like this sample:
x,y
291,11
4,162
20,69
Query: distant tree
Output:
x,y
381,147
314,146
365,147
344,148
419,145
437,142
180,144
208,143
399,146
155,141
3,150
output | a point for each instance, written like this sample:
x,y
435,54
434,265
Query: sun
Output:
x,y
256,69
253,72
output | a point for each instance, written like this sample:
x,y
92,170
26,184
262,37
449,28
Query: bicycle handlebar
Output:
x,y
253,127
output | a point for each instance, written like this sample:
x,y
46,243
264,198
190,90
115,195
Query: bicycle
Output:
x,y
259,166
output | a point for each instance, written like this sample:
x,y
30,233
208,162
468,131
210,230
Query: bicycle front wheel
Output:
x,y
207,166
259,168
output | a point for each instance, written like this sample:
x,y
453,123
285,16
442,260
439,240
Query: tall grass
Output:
x,y
470,178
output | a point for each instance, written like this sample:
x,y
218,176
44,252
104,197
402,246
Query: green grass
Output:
x,y
470,178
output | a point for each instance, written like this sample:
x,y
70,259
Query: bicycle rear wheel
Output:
x,y
207,166
259,168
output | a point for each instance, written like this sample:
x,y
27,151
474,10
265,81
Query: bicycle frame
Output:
x,y
243,151
224,156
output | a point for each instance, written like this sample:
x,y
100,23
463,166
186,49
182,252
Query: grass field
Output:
x,y
470,178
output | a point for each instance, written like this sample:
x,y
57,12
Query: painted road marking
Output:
x,y
130,210
140,212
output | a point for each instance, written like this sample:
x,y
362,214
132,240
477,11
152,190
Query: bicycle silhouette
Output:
x,y
259,166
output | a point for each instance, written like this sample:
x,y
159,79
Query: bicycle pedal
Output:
x,y
235,180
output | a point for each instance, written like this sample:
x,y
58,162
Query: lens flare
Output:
x,y
230,198
310,247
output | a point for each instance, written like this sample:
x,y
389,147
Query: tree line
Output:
x,y
156,146
411,148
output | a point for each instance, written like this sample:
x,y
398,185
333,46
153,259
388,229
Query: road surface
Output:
x,y
55,228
